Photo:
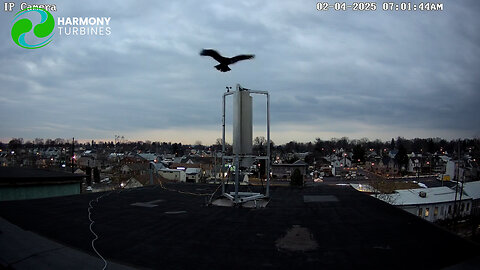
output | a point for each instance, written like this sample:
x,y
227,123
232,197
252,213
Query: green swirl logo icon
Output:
x,y
42,30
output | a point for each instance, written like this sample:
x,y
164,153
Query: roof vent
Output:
x,y
422,194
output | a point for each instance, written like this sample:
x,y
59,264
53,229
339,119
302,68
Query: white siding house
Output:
x,y
173,174
431,204
341,162
193,174
451,170
472,189
414,164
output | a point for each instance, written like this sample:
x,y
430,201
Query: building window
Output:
x,y
427,211
468,207
435,211
449,209
420,211
462,206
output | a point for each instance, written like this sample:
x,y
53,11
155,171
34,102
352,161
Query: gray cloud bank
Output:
x,y
373,74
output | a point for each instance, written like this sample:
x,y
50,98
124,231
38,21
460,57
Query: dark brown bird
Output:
x,y
225,61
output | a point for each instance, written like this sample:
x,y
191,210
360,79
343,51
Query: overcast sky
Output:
x,y
374,74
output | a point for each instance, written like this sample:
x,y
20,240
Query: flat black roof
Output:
x,y
155,228
20,175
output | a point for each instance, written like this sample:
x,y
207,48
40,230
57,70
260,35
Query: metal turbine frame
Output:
x,y
246,196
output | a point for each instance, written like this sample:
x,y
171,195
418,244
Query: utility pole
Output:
x,y
73,154
462,178
457,171
215,166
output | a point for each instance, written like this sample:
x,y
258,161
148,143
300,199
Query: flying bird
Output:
x,y
225,61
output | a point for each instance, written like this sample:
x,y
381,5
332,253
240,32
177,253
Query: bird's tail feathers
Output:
x,y
222,68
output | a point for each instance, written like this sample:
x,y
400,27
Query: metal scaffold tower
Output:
x,y
243,157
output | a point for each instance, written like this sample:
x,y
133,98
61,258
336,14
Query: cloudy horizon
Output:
x,y
375,74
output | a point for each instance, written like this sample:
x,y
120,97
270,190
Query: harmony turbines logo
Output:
x,y
42,30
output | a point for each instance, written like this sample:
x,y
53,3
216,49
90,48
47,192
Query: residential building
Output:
x,y
285,170
193,174
431,204
472,189
132,183
150,157
24,183
454,170
135,168
173,174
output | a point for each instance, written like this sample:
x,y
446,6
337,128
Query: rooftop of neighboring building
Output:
x,y
472,189
425,196
18,175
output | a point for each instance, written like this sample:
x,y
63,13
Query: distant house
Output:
x,y
180,159
341,162
372,155
173,174
183,166
301,156
392,153
86,161
157,166
168,157
193,174
389,165
132,158
431,204
52,152
132,183
150,157
115,156
375,164
414,164
135,168
472,170
206,164
439,163
421,163
90,153
454,170
285,170
125,169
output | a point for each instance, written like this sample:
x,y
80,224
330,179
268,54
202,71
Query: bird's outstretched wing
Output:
x,y
224,61
241,57
212,53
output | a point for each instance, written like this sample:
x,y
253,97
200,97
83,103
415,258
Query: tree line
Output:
x,y
317,148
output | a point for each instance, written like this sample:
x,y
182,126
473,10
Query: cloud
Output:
x,y
378,74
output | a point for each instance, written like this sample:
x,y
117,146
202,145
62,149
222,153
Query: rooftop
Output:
x,y
472,189
317,227
433,195
19,175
